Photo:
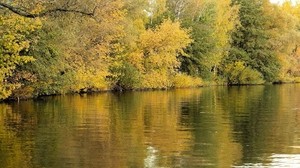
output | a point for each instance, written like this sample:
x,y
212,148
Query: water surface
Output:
x,y
249,126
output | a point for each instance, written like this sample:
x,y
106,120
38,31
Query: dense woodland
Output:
x,y
65,46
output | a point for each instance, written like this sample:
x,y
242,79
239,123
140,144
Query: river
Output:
x,y
247,126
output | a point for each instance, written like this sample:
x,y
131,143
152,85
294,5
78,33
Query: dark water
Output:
x,y
250,126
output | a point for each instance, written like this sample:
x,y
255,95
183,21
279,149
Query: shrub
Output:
x,y
183,80
156,80
238,73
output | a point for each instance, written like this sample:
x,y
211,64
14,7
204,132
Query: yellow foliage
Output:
x,y
89,80
183,80
136,59
13,40
156,80
225,22
286,20
168,37
157,54
6,90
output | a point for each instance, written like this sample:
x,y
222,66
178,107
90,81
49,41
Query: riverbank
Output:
x,y
119,89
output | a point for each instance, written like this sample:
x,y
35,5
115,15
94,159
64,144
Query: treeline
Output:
x,y
57,47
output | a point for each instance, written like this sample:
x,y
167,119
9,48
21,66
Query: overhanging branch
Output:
x,y
24,13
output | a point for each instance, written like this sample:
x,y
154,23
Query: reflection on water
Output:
x,y
277,161
257,126
285,160
151,159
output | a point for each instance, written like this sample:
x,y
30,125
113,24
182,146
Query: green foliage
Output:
x,y
253,40
49,67
212,23
126,76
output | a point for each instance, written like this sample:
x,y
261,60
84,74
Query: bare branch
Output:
x,y
24,13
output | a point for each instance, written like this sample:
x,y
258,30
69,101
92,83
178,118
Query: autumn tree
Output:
x,y
15,38
156,57
75,52
286,19
152,48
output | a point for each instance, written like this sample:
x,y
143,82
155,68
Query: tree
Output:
x,y
212,23
157,54
66,7
251,41
285,41
87,46
14,43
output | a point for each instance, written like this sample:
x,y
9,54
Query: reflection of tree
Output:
x,y
107,130
287,129
153,119
261,120
15,137
242,104
184,128
213,141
